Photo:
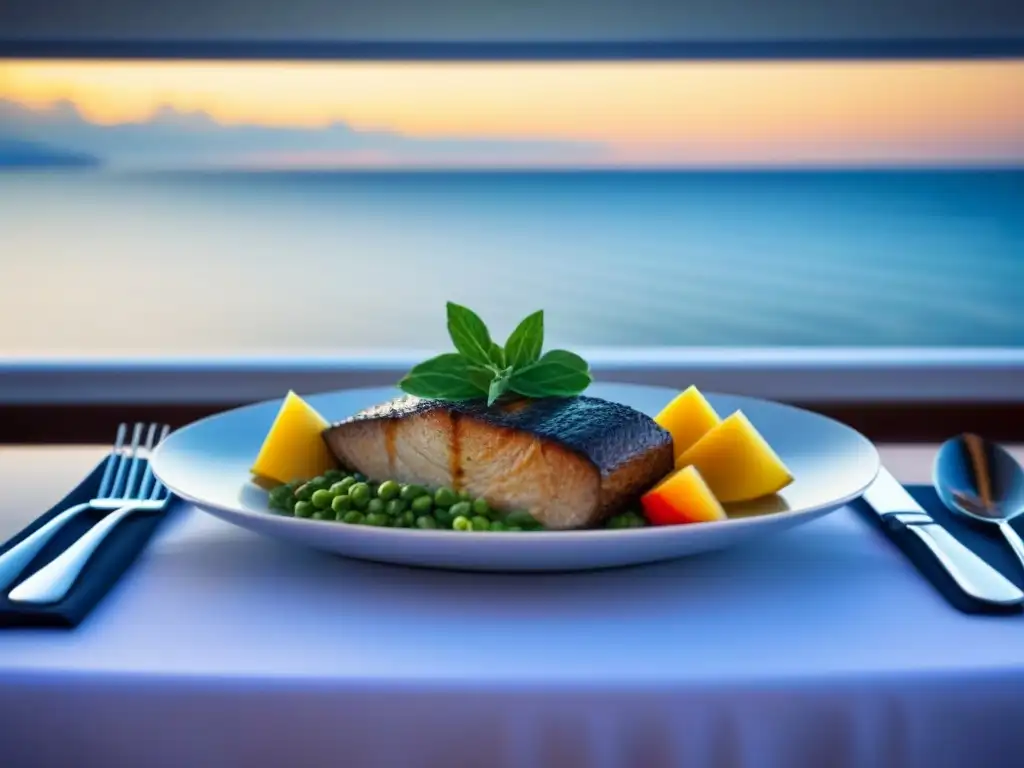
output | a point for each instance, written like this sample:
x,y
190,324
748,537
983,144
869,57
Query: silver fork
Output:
x,y
121,491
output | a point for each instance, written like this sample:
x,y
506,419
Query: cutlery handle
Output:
x,y
973,575
14,560
1014,539
52,582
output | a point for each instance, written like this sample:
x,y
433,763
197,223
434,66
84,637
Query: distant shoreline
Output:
x,y
19,154
92,164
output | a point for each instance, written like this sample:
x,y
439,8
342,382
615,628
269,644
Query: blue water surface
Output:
x,y
140,263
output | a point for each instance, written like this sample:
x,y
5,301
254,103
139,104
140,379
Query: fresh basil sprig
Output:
x,y
557,374
482,368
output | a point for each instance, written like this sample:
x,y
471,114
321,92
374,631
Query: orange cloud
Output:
x,y
772,112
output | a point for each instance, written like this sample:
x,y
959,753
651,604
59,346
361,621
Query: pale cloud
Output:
x,y
172,139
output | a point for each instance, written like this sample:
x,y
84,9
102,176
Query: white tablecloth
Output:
x,y
819,647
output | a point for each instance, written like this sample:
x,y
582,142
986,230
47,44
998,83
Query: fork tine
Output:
x,y
117,492
159,489
159,493
133,469
147,476
108,473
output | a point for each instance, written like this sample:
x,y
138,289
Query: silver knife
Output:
x,y
974,576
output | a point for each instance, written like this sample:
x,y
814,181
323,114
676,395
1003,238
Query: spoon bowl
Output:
x,y
980,480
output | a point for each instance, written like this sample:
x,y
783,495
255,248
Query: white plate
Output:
x,y
208,463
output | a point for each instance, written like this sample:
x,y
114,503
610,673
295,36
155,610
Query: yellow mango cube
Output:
x,y
294,448
687,418
736,462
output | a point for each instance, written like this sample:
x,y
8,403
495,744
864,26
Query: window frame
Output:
x,y
893,396
807,375
862,377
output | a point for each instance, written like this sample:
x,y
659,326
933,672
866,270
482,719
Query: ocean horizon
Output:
x,y
254,261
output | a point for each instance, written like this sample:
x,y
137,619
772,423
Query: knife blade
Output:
x,y
976,578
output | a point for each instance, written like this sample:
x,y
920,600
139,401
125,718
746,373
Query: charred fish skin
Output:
x,y
609,434
396,408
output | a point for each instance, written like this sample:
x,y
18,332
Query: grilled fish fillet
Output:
x,y
569,462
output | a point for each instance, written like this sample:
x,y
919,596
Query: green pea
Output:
x,y
342,486
520,518
304,492
462,509
320,515
341,505
395,507
322,499
625,520
408,518
361,503
359,492
304,509
514,528
426,522
462,524
319,483
465,496
444,517
422,505
410,492
497,526
481,507
333,475
389,490
445,497
359,476
278,496
378,519
375,507
289,505
353,517
480,523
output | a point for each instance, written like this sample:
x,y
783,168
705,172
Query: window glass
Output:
x,y
262,208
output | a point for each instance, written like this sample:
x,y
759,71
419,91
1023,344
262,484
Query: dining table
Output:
x,y
821,646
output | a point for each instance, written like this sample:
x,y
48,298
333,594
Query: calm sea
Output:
x,y
138,263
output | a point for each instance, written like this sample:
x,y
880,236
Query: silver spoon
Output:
x,y
979,479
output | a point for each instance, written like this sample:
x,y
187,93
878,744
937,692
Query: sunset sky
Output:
x,y
639,112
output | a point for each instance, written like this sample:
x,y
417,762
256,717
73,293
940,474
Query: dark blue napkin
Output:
x,y
109,562
985,540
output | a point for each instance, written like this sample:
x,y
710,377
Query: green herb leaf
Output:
x,y
524,344
480,377
557,374
446,377
566,358
483,368
498,386
498,355
469,334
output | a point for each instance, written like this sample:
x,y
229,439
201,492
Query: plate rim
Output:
x,y
590,533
